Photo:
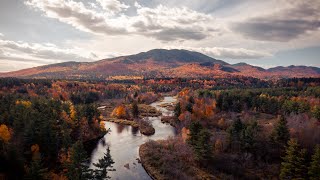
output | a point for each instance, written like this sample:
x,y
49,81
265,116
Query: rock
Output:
x,y
127,166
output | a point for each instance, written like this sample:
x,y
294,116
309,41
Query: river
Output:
x,y
124,142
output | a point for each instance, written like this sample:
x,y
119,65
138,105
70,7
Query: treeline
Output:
x,y
271,101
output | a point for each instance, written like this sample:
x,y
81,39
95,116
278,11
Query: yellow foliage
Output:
x,y
102,126
26,104
72,112
5,134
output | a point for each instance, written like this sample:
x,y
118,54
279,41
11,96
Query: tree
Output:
x,y
314,169
281,134
177,109
78,167
135,109
293,165
316,112
103,166
199,139
5,134
189,107
234,134
120,112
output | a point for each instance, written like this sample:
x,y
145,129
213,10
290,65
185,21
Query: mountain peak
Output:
x,y
173,55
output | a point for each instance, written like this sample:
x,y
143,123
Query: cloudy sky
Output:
x,y
265,33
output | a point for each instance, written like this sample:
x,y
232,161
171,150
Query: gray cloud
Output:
x,y
35,52
162,23
289,23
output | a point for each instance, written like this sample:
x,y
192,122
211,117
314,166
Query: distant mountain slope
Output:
x,y
160,63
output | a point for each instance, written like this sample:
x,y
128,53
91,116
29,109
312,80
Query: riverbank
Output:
x,y
144,126
170,159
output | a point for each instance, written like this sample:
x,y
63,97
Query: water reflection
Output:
x,y
124,142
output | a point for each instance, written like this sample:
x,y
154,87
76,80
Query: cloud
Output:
x,y
44,51
231,53
113,6
162,23
295,19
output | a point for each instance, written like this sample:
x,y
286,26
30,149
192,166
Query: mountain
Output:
x,y
160,63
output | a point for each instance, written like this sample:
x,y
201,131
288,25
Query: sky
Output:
x,y
263,33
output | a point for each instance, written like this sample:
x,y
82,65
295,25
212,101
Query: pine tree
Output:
x,y
199,139
293,165
103,166
314,169
135,109
78,168
36,171
177,110
280,134
203,147
234,134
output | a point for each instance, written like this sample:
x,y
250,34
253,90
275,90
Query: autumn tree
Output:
x,y
120,112
314,169
5,134
294,162
103,166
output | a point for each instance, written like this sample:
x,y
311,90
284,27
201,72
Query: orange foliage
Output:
x,y
5,134
119,112
35,150
218,146
185,134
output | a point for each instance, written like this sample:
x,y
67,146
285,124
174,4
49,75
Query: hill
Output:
x,y
160,63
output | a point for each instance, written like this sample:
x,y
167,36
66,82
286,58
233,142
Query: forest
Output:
x,y
228,128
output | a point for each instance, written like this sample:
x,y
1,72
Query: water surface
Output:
x,y
124,142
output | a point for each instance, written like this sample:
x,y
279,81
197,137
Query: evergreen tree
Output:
x,y
248,137
189,107
177,110
293,165
103,166
78,168
199,139
234,134
36,171
280,134
135,109
314,169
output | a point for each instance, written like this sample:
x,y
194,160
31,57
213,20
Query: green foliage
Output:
x,y
281,134
36,170
243,137
200,142
314,169
316,112
103,166
78,167
294,162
